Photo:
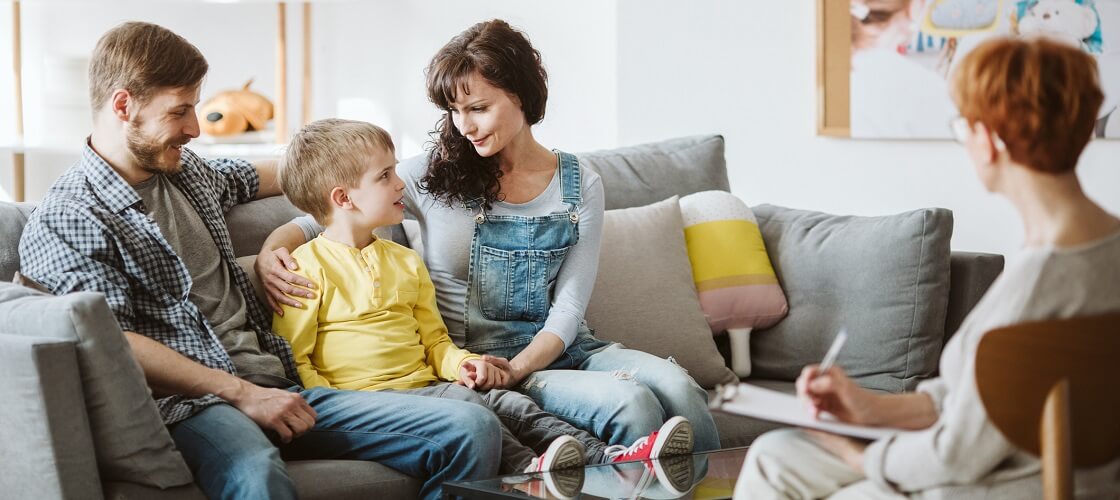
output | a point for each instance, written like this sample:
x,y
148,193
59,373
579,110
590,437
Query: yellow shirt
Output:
x,y
374,324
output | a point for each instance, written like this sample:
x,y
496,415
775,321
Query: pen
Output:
x,y
833,351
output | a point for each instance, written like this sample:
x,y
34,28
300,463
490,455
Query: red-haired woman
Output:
x,y
1028,109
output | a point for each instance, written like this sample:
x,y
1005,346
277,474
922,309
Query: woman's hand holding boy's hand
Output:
x,y
480,375
504,369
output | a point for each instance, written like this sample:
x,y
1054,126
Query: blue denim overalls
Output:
x,y
512,275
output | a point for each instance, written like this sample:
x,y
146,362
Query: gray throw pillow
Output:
x,y
644,295
130,441
885,279
634,176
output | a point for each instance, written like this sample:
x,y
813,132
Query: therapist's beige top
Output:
x,y
963,447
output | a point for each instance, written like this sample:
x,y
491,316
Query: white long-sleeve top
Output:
x,y
963,454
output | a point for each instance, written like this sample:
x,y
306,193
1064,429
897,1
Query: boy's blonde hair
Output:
x,y
327,154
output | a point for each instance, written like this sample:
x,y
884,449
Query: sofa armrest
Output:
x,y
970,275
47,449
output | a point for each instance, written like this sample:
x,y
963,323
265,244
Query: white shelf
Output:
x,y
246,146
57,149
206,150
237,150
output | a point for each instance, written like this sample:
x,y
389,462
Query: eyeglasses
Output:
x,y
962,130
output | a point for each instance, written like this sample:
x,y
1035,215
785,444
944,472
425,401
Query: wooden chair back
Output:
x,y
1053,389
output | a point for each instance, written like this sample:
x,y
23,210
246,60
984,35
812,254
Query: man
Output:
x,y
140,218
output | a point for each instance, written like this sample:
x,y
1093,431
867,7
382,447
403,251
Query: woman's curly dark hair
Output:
x,y
505,58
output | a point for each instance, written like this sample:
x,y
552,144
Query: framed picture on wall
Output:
x,y
884,65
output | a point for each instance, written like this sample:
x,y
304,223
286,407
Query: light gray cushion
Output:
x,y
886,279
130,440
13,216
644,295
639,175
45,443
315,480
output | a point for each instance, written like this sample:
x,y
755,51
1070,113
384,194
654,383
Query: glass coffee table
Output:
x,y
707,475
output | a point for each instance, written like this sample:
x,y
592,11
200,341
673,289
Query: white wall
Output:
x,y
368,60
621,72
58,36
373,66
749,73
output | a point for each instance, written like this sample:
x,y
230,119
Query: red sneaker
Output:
x,y
673,438
675,474
564,452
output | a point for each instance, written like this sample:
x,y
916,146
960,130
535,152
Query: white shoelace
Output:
x,y
617,450
535,465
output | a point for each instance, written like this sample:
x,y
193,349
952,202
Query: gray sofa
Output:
x,y
48,452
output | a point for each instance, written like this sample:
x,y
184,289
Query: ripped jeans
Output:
x,y
621,395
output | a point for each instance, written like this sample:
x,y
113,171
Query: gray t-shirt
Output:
x,y
447,233
212,288
1039,283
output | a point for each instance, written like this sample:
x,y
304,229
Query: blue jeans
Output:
x,y
435,440
621,394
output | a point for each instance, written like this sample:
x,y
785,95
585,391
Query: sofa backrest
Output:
x,y
632,176
647,173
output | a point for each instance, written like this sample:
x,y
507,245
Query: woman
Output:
x,y
511,233
1027,111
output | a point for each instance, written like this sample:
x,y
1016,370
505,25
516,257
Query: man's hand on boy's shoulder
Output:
x,y
281,285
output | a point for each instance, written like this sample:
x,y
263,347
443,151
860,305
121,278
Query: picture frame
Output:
x,y
834,67
884,69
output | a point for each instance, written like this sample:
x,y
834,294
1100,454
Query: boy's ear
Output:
x,y
339,198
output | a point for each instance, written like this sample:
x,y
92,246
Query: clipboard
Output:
x,y
766,404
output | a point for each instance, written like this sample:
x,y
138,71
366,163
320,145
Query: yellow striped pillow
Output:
x,y
736,283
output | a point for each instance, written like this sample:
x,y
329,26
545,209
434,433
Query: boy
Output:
x,y
375,325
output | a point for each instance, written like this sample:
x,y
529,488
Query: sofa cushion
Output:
x,y
130,441
251,223
46,447
644,295
13,216
639,175
738,288
315,480
886,279
737,284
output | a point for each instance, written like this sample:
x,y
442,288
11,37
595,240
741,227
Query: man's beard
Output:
x,y
149,153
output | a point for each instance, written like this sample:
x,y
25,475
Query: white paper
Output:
x,y
766,404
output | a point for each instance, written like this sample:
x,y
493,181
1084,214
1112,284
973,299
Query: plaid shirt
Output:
x,y
92,233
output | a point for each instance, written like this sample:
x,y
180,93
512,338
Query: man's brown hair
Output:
x,y
1040,96
142,58
326,154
